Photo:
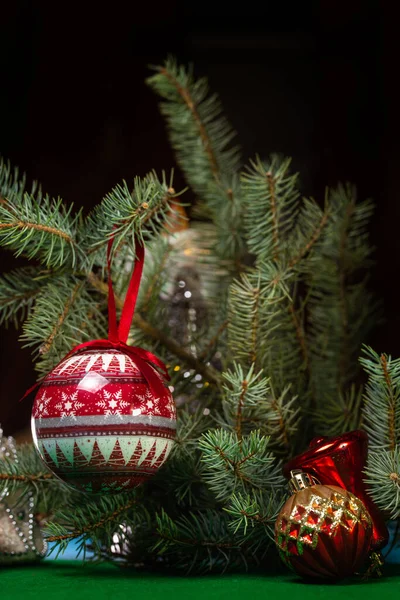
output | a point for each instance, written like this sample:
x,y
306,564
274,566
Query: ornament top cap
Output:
x,y
299,480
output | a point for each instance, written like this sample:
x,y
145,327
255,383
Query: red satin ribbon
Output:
x,y
118,333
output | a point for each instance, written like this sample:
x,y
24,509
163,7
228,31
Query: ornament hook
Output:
x,y
299,480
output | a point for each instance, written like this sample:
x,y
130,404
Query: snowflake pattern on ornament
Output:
x,y
112,403
69,405
148,402
42,406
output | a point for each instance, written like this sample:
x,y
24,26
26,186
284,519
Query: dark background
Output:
x,y
314,80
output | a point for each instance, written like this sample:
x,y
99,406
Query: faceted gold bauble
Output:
x,y
323,531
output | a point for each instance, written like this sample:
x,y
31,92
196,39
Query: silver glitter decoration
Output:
x,y
120,547
21,539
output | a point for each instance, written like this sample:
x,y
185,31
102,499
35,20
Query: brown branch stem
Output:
x,y
274,214
255,324
48,342
26,478
258,518
46,228
313,239
239,413
17,297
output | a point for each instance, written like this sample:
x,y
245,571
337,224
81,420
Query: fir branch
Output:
x,y
187,98
153,280
391,403
26,476
300,335
200,541
272,206
38,477
18,291
193,115
239,412
39,227
48,342
243,394
381,410
92,527
202,139
314,237
35,225
345,414
383,480
281,423
252,304
233,465
340,308
249,512
60,320
11,182
123,214
276,416
274,213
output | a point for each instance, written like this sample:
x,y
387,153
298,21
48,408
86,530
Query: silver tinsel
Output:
x,y
21,538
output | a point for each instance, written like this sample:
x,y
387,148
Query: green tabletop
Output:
x,y
77,581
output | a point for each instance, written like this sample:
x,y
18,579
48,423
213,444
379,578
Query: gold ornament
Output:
x,y
322,531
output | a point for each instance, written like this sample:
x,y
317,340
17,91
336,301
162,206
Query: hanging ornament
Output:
x,y
187,309
322,531
192,298
341,461
21,538
104,420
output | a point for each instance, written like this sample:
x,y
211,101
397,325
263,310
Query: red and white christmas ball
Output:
x,y
98,426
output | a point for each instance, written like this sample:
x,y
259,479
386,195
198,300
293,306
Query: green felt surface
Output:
x,y
75,581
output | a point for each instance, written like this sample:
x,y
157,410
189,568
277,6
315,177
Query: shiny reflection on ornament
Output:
x,y
92,382
188,294
136,412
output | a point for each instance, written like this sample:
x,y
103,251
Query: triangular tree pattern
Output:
x,y
117,458
150,457
136,456
80,459
161,458
49,459
97,457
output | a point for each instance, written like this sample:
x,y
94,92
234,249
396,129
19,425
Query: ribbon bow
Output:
x,y
147,362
